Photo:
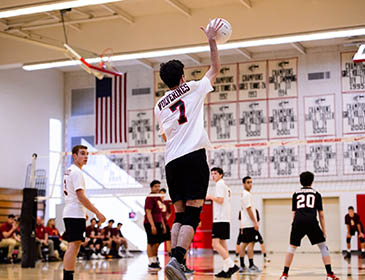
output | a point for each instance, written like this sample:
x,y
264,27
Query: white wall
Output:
x,y
27,101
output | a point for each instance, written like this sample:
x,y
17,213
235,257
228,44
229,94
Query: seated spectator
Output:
x,y
107,232
42,240
6,238
16,236
119,240
54,235
95,242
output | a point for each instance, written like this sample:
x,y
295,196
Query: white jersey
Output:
x,y
222,212
180,113
246,202
73,180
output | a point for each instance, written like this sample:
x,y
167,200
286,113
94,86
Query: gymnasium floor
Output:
x,y
305,266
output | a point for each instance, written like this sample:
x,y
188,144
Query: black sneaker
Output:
x,y
154,267
232,270
222,274
347,255
188,270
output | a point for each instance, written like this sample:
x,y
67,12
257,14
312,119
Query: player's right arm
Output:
x,y
322,222
151,221
88,205
211,33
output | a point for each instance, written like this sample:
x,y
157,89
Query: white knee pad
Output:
x,y
324,249
291,250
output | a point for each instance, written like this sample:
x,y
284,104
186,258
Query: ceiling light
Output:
x,y
205,48
51,6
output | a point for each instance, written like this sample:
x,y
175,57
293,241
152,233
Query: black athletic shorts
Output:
x,y
247,235
301,229
167,236
154,238
221,230
188,176
74,229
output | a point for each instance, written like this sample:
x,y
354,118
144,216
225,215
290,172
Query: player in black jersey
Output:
x,y
353,224
306,202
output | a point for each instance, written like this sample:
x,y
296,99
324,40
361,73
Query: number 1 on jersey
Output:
x,y
181,105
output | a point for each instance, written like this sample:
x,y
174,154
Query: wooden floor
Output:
x,y
305,266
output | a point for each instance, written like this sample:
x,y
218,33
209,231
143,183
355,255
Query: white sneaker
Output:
x,y
93,256
253,269
129,254
283,277
120,254
100,256
267,259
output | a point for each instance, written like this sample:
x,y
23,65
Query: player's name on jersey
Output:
x,y
175,94
306,191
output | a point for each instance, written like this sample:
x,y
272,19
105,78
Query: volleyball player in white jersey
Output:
x,y
221,222
180,113
74,213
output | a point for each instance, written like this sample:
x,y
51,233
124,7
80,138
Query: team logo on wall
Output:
x,y
353,74
226,159
319,115
354,158
353,113
284,161
254,162
252,80
141,167
283,119
321,159
253,120
223,122
283,78
140,128
225,85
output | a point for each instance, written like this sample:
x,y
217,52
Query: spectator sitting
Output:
x,y
6,238
119,240
108,240
54,235
95,239
42,240
18,243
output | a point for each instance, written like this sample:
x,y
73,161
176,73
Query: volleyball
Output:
x,y
224,33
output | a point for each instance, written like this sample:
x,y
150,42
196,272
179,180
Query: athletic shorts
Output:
x,y
166,236
95,242
154,238
188,176
312,230
247,235
74,229
221,230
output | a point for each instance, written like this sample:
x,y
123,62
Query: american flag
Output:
x,y
111,110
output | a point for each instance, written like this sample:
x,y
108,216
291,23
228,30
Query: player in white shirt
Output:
x,y
249,226
221,222
74,213
180,113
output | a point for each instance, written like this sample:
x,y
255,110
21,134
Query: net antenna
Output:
x,y
359,55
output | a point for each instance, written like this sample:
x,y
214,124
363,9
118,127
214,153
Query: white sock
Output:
x,y
227,263
154,259
150,260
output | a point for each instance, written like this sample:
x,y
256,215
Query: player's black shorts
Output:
x,y
188,176
75,229
221,230
353,232
154,238
247,235
167,236
312,230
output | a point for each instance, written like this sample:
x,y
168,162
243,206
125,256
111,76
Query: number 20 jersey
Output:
x,y
180,113
306,202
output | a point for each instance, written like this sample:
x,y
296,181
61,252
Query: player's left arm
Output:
x,y
361,234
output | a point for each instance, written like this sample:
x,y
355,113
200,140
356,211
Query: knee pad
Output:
x,y
291,250
192,216
324,249
348,239
179,217
362,240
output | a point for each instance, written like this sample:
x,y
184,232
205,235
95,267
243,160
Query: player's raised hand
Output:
x,y
212,28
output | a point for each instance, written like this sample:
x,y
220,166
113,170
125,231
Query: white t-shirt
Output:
x,y
180,113
222,212
247,201
73,180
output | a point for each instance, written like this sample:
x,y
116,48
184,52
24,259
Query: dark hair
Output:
x,y
163,190
111,221
351,208
306,179
11,216
218,169
75,149
245,178
171,72
154,182
93,219
119,224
